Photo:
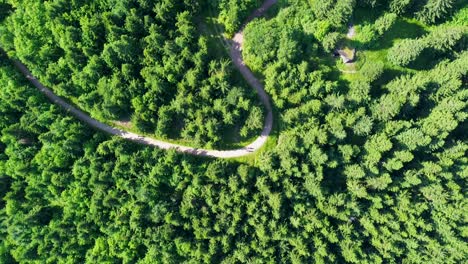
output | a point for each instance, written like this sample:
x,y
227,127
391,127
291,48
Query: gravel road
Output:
x,y
236,56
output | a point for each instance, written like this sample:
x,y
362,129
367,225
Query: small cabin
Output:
x,y
347,55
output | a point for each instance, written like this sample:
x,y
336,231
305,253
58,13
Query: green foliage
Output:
x,y
442,38
371,170
460,18
320,29
132,60
446,38
254,122
368,34
405,51
384,23
261,47
400,6
336,12
384,129
435,9
233,12
330,41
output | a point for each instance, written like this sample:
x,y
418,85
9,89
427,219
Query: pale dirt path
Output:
x,y
236,55
351,32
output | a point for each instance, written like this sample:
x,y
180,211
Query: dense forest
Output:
x,y
134,61
370,163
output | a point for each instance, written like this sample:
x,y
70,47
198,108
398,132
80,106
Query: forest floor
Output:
x,y
236,55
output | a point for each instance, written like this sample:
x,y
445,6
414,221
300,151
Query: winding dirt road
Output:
x,y
236,56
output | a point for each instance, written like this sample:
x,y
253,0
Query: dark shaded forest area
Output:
x,y
369,166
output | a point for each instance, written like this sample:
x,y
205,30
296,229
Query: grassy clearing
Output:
x,y
377,50
254,158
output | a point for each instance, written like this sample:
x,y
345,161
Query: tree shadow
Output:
x,y
401,29
362,15
388,75
460,132
5,11
430,58
176,125
427,60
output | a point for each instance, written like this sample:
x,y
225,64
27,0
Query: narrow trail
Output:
x,y
351,32
236,56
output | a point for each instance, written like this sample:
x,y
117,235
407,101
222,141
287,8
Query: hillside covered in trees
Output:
x,y
370,159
